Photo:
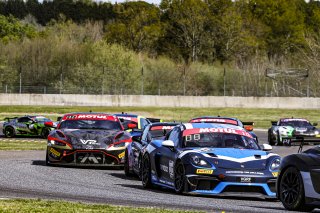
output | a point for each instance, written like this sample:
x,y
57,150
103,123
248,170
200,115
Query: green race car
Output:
x,y
27,126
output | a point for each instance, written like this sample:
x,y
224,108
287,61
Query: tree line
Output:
x,y
192,47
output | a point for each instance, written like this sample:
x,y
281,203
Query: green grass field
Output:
x,y
26,144
261,117
32,205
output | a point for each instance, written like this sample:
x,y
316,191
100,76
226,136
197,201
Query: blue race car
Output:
x,y
151,132
226,120
210,159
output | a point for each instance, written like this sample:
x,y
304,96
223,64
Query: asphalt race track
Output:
x,y
23,174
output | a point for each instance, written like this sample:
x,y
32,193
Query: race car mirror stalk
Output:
x,y
169,144
266,147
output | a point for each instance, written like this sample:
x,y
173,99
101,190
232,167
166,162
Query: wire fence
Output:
x,y
123,91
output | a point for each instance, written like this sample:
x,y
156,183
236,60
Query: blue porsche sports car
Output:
x,y
210,159
151,132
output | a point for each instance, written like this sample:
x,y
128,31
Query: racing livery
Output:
x,y
94,139
298,186
210,159
286,130
226,120
133,123
151,132
27,126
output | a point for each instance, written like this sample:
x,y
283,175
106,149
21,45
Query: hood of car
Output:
x,y
90,139
234,158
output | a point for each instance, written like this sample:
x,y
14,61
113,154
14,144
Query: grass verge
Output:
x,y
26,144
31,205
261,117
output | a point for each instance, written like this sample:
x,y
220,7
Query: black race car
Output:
x,y
298,184
151,132
94,139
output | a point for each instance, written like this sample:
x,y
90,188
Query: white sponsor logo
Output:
x,y
88,141
93,116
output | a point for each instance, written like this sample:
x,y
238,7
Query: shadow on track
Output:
x,y
43,163
124,177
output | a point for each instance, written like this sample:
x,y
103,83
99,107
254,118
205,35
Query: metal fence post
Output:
x,y
20,81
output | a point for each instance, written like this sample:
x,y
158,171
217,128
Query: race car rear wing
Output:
x,y
155,120
303,139
9,119
274,123
248,125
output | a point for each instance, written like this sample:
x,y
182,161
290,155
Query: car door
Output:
x,y
166,158
23,124
136,148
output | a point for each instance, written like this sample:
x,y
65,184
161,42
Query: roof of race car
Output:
x,y
89,116
196,128
126,115
162,125
292,119
210,125
215,119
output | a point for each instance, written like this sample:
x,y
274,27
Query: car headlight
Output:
x,y
53,142
275,164
198,161
316,132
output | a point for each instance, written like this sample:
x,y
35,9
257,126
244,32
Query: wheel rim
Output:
x,y
145,171
179,175
290,187
9,132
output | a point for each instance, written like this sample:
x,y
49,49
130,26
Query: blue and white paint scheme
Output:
x,y
211,159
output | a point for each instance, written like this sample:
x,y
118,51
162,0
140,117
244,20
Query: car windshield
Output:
x,y
219,140
296,123
90,124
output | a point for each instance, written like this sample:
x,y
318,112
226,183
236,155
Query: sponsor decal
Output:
x,y
275,174
166,182
245,172
128,118
161,127
121,155
245,179
55,152
164,168
90,117
216,130
204,171
90,158
214,120
89,142
171,173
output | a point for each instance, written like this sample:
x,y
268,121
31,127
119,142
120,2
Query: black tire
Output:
x,y
270,140
146,172
278,143
291,191
47,160
9,132
44,133
126,164
179,178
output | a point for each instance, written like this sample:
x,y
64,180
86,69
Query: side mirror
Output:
x,y
266,147
248,128
59,118
49,124
168,143
132,126
315,124
136,139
